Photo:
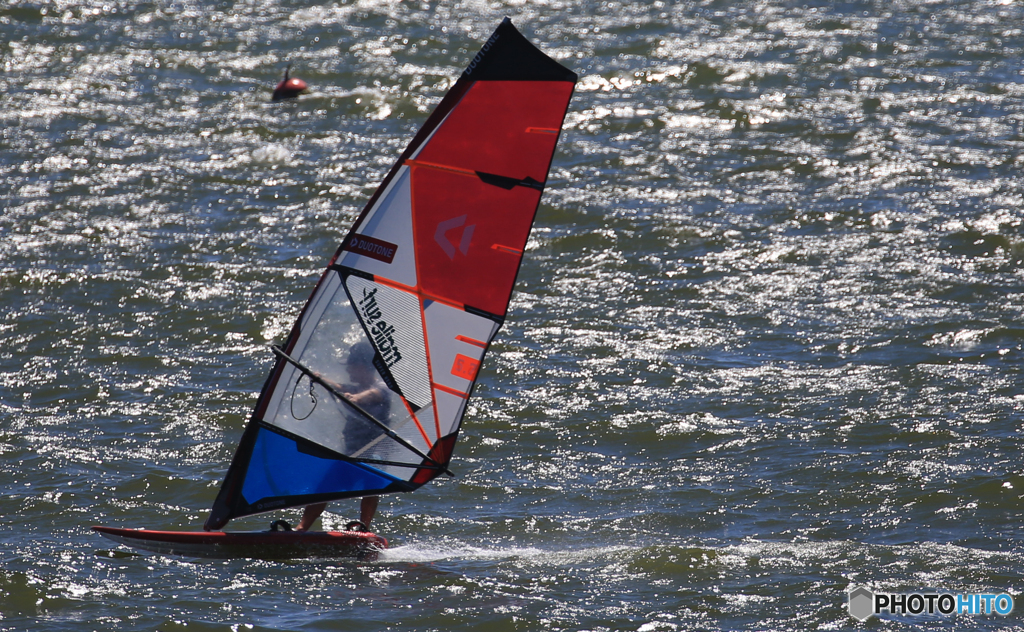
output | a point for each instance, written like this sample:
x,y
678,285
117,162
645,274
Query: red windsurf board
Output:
x,y
251,544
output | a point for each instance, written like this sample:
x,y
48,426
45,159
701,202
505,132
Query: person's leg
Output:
x,y
368,508
310,515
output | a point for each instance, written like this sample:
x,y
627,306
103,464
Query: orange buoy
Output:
x,y
289,88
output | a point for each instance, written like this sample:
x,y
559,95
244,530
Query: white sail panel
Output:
x,y
386,236
449,410
415,431
457,340
337,350
280,399
394,323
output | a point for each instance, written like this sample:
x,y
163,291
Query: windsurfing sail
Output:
x,y
368,392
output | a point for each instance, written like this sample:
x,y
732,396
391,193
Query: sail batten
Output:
x,y
369,390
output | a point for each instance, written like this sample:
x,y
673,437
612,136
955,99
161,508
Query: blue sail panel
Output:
x,y
278,468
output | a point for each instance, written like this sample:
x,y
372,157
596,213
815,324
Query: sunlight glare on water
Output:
x,y
764,345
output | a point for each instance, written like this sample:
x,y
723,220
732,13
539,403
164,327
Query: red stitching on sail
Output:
x,y
451,391
466,339
434,165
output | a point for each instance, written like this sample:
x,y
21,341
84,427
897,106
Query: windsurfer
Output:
x,y
365,391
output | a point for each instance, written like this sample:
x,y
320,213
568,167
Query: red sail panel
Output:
x,y
506,128
458,219
471,232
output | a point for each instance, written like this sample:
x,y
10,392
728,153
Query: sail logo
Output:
x,y
863,604
451,226
382,333
372,248
479,56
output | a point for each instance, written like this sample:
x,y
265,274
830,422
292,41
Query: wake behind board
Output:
x,y
272,545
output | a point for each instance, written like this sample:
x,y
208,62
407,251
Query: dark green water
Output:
x,y
766,343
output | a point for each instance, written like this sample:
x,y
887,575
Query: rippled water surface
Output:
x,y
766,343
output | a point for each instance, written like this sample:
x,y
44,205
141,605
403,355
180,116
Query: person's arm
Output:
x,y
368,397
